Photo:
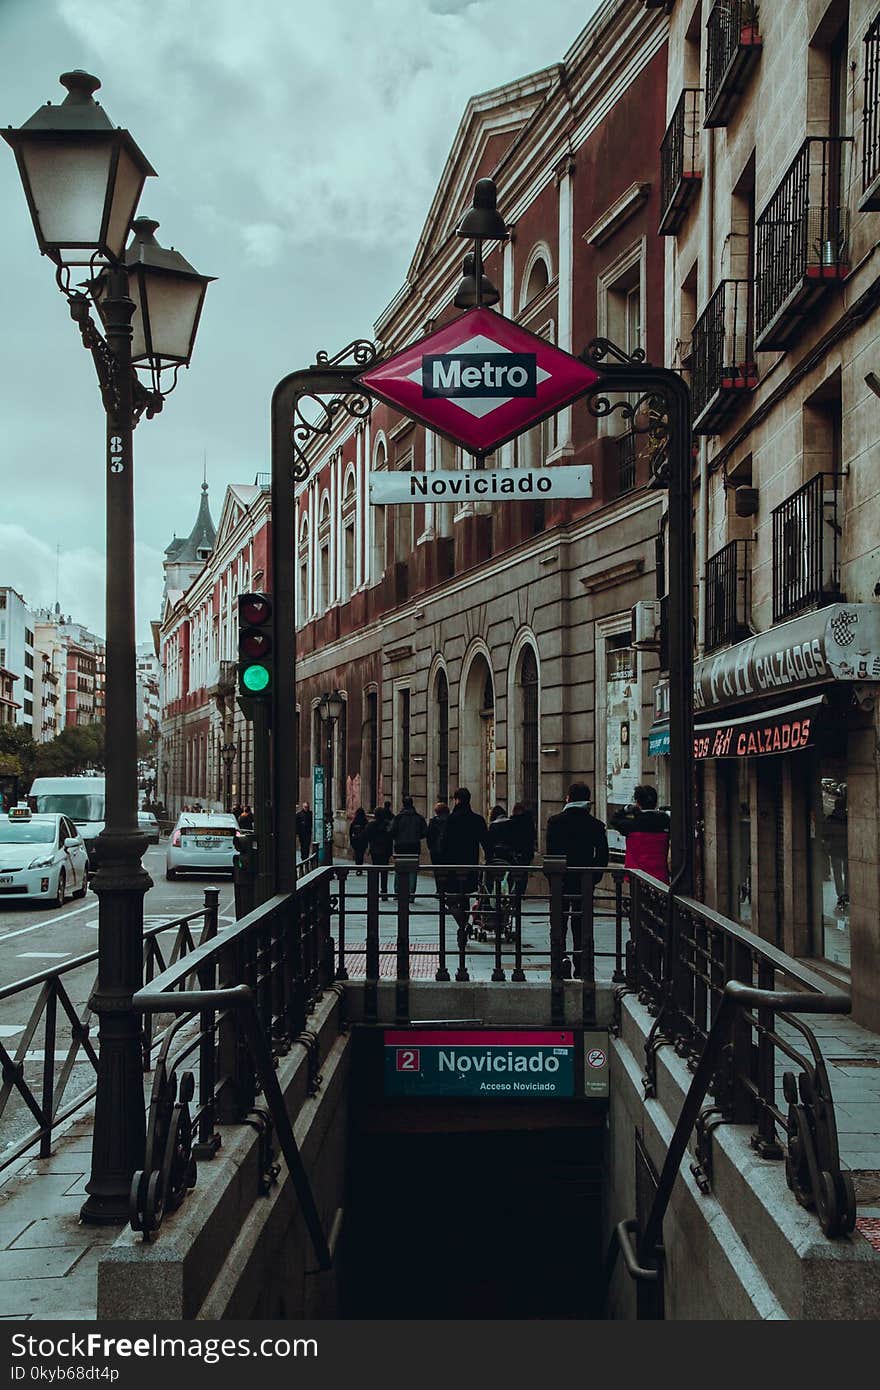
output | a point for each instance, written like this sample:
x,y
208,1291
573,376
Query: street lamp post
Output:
x,y
330,709
227,753
82,179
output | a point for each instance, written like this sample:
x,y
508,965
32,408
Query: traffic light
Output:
x,y
255,654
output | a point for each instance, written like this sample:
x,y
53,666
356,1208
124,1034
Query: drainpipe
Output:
x,y
707,267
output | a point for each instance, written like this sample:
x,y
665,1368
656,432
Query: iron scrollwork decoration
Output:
x,y
144,402
319,417
169,1170
647,415
812,1162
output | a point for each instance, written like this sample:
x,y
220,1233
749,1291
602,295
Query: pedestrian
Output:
x,y
303,824
380,845
436,842
237,810
357,837
524,841
408,829
647,834
580,839
466,834
246,819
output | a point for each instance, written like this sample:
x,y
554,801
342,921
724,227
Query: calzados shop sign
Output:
x,y
787,730
442,1062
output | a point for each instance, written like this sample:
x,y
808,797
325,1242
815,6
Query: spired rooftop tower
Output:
x,y
185,557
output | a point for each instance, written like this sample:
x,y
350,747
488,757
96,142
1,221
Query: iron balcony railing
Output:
x,y
627,456
871,120
733,46
806,546
681,169
722,356
802,240
727,595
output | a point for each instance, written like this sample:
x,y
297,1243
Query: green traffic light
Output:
x,y
255,678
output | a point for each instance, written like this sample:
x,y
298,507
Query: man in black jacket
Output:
x,y
580,839
466,834
408,829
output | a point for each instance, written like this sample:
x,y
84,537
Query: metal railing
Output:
x,y
723,362
871,111
45,1095
680,160
727,595
802,234
806,539
726,1000
732,45
627,456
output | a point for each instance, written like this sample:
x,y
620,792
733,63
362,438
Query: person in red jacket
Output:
x,y
647,834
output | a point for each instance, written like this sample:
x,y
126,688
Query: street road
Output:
x,y
34,939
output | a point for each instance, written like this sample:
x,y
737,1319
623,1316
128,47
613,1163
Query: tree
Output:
x,y
18,752
77,749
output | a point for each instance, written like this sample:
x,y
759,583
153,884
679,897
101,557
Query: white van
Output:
x,y
79,798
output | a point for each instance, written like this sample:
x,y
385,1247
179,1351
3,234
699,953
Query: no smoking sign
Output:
x,y
596,1064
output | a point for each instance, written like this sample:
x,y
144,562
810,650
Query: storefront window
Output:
x,y
739,819
829,867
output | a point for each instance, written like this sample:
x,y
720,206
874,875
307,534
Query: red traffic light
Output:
x,y
254,644
254,609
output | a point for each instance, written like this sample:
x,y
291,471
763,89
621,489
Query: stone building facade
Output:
x,y
771,175
489,644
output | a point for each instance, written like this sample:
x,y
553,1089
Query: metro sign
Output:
x,y
480,380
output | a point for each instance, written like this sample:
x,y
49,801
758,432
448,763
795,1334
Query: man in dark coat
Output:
x,y
408,829
380,845
580,839
303,824
466,834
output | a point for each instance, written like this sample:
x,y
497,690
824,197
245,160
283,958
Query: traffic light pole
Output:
x,y
262,800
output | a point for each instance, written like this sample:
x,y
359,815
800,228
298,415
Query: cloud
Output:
x,y
29,565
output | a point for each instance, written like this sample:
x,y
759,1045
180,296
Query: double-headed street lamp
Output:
x,y
227,753
330,710
83,179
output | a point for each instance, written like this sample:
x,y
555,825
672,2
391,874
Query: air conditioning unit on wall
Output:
x,y
645,625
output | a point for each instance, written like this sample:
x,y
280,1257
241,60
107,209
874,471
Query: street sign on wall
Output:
x,y
487,485
480,1062
480,380
318,804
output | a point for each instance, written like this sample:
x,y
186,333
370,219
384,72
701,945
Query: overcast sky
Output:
x,y
297,147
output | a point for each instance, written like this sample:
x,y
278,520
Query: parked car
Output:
x,y
201,842
79,798
148,823
41,856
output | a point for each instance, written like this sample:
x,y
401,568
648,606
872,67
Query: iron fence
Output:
x,y
723,365
871,114
806,538
680,161
802,234
732,47
727,595
45,1094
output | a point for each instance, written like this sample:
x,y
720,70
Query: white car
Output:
x,y
41,856
201,842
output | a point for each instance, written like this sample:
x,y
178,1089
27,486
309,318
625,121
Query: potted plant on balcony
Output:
x,y
748,33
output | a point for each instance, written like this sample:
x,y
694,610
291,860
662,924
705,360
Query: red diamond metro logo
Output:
x,y
479,380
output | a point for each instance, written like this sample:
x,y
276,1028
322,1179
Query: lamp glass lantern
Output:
x,y
330,707
82,176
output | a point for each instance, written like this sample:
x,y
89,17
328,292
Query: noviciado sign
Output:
x,y
441,1062
486,484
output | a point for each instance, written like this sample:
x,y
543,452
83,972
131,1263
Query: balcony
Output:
x,y
806,548
722,356
681,167
871,122
727,595
802,241
220,678
733,49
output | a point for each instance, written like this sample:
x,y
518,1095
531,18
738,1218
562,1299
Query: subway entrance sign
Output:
x,y
485,1063
479,380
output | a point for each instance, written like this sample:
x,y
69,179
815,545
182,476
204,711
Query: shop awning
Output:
x,y
786,729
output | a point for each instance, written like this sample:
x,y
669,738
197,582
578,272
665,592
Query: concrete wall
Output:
x,y
744,1251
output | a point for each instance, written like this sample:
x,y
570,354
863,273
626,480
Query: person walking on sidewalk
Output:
x,y
524,842
647,834
466,834
303,823
357,837
408,829
380,845
580,839
436,842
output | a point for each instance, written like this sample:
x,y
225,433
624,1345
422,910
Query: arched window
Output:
x,y
378,556
442,698
324,556
537,281
529,763
303,585
348,524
